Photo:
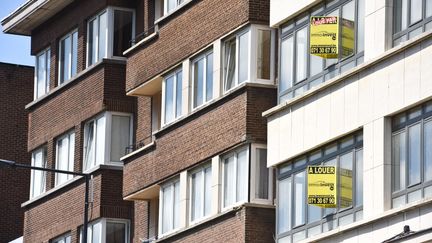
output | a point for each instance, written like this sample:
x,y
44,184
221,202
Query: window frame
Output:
x,y
234,154
331,218
203,56
68,135
103,229
290,29
62,81
254,170
63,238
42,150
107,160
403,127
174,75
201,169
47,64
171,183
179,4
109,48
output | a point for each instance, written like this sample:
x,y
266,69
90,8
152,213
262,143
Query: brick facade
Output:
x,y
16,90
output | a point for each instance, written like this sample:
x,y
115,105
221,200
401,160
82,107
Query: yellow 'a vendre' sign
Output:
x,y
324,36
322,187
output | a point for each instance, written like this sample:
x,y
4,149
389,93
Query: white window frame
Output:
x,y
107,146
63,238
234,154
103,222
203,56
179,3
109,33
32,177
254,170
47,53
60,64
170,183
70,164
200,169
174,75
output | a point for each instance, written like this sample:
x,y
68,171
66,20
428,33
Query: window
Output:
x,y
42,76
236,68
106,138
170,207
68,59
171,5
200,193
300,71
262,188
63,239
411,18
172,96
298,220
109,34
235,167
107,231
202,78
65,149
38,178
412,155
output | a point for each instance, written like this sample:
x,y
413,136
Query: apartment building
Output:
x,y
366,111
80,118
16,91
203,72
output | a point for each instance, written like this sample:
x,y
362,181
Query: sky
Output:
x,y
13,48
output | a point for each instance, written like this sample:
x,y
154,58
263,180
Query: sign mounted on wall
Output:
x,y
322,187
324,36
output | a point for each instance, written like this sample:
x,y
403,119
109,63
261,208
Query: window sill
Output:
x,y
138,151
166,16
76,78
341,77
141,42
76,178
386,214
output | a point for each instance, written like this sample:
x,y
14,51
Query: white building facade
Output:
x,y
369,111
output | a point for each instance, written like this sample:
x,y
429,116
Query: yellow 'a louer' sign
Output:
x,y
322,187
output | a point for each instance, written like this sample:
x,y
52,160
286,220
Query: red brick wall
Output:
x,y
260,225
187,31
16,90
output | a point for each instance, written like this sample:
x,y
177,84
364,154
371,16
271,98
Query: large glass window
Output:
x,y
107,231
170,206
109,34
172,93
38,178
297,220
300,71
202,78
411,155
200,191
63,239
235,177
65,149
106,138
236,60
42,75
411,18
68,58
171,5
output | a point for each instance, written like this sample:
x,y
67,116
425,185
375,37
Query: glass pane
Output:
x,y
100,140
242,176
347,142
428,8
399,201
359,178
399,161
328,211
286,66
89,144
262,174
103,35
359,215
169,99
416,11
330,149
243,58
229,64
428,26
263,55
229,181
416,112
197,196
74,58
122,31
315,64
360,25
70,166
179,93
315,82
207,191
415,32
96,233
428,151
414,154
428,192
314,231
348,219
329,62
120,136
62,157
66,61
92,48
284,205
348,66
346,183
301,54
299,236
414,196
115,232
167,209
314,213
348,31
209,77
41,74
400,40
286,239
315,155
171,4
176,204
300,198
198,77
285,168
401,16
